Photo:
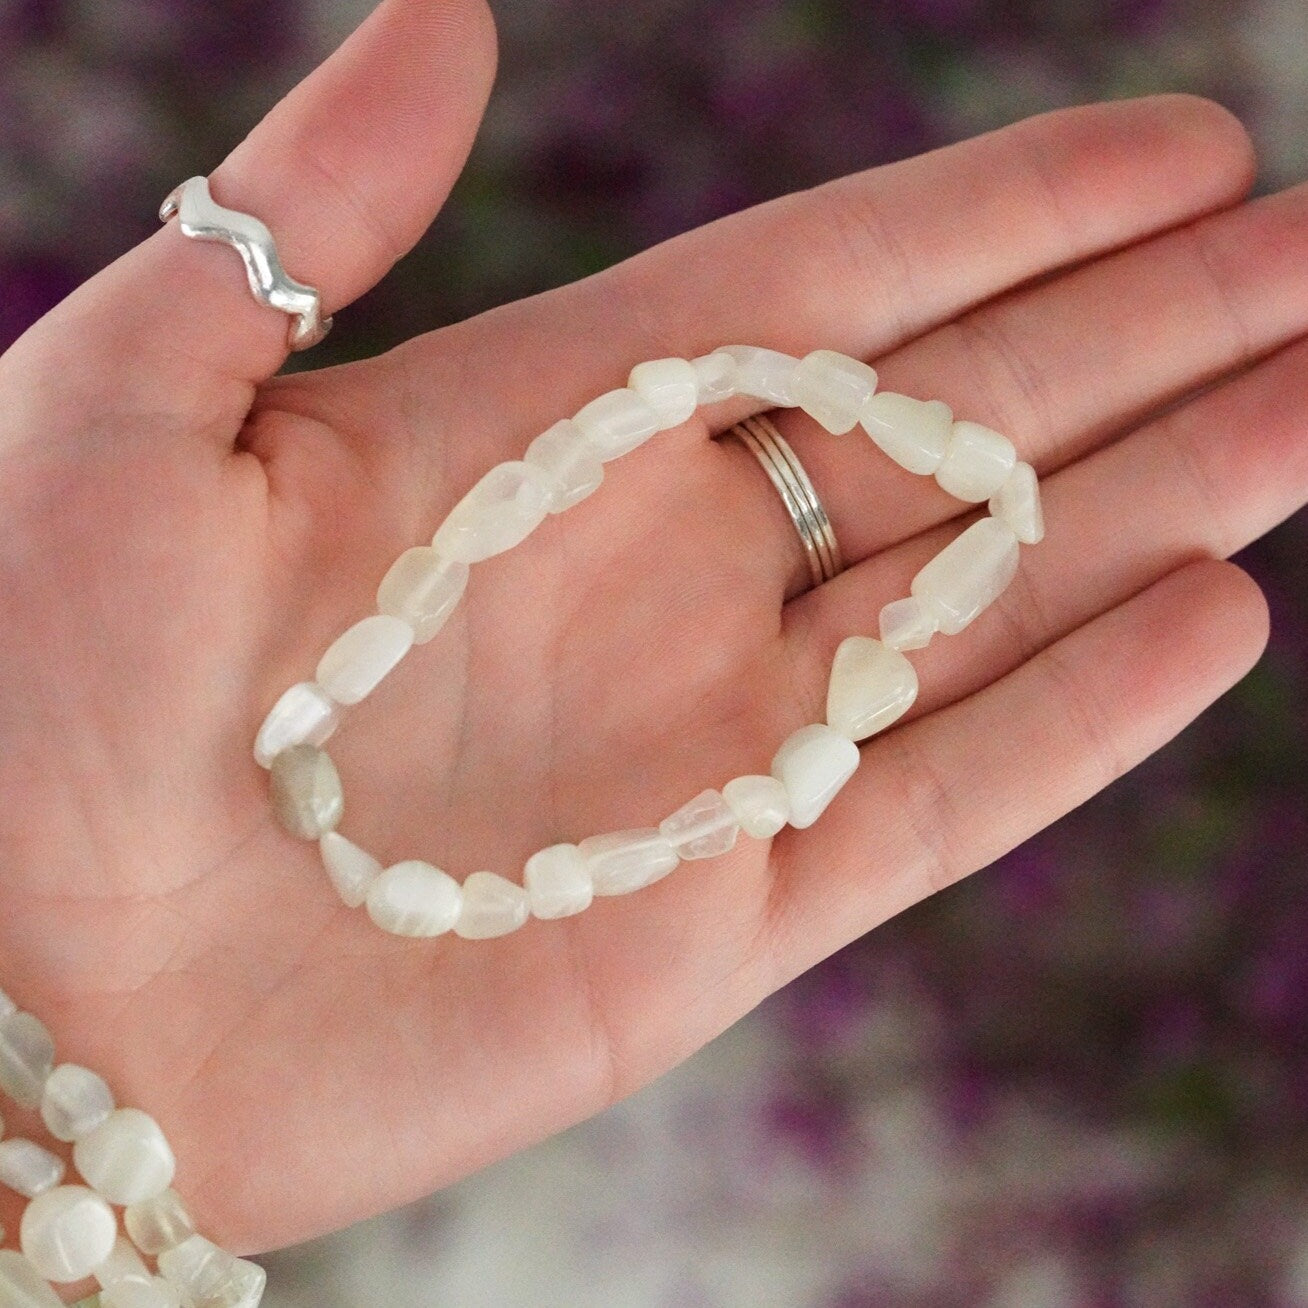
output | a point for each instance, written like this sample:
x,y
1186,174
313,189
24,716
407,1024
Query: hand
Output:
x,y
184,533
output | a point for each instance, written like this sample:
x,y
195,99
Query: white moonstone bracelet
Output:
x,y
872,684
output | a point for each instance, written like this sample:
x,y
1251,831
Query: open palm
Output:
x,y
183,536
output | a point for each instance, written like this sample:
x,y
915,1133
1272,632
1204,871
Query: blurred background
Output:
x,y
1077,1080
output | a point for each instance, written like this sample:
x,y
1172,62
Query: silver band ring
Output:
x,y
202,219
822,553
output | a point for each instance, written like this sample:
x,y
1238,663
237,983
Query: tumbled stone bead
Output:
x,y
22,1286
492,906
704,827
623,861
126,1158
421,589
760,804
907,624
669,386
352,870
568,462
354,663
306,791
977,462
557,882
832,388
914,433
153,1292
813,764
617,421
764,374
210,1277
304,715
75,1102
68,1232
27,1168
969,574
1017,502
715,377
26,1057
159,1223
871,686
123,1264
414,898
500,511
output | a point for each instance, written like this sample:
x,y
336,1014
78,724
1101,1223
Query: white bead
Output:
x,y
414,898
623,861
568,462
304,715
832,388
7,1005
154,1292
422,588
27,1168
1017,502
813,763
715,377
26,1057
764,374
352,870
492,906
871,686
702,828
126,1158
907,624
209,1276
914,433
501,510
558,884
760,804
969,574
977,462
123,1264
356,661
670,386
616,422
68,1232
159,1223
22,1286
75,1102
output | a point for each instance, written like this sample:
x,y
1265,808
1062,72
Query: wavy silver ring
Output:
x,y
202,219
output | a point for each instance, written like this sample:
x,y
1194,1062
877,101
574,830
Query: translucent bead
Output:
x,y
813,764
617,422
26,1057
153,1292
68,1232
907,624
27,1168
871,686
568,462
306,791
1017,502
977,462
558,884
500,511
715,377
760,804
492,906
304,715
914,433
623,861
123,1264
22,1286
75,1102
414,898
352,870
764,374
832,388
704,827
969,574
354,663
422,588
159,1223
669,386
126,1158
211,1277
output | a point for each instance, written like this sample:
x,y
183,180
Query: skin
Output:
x,y
185,532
